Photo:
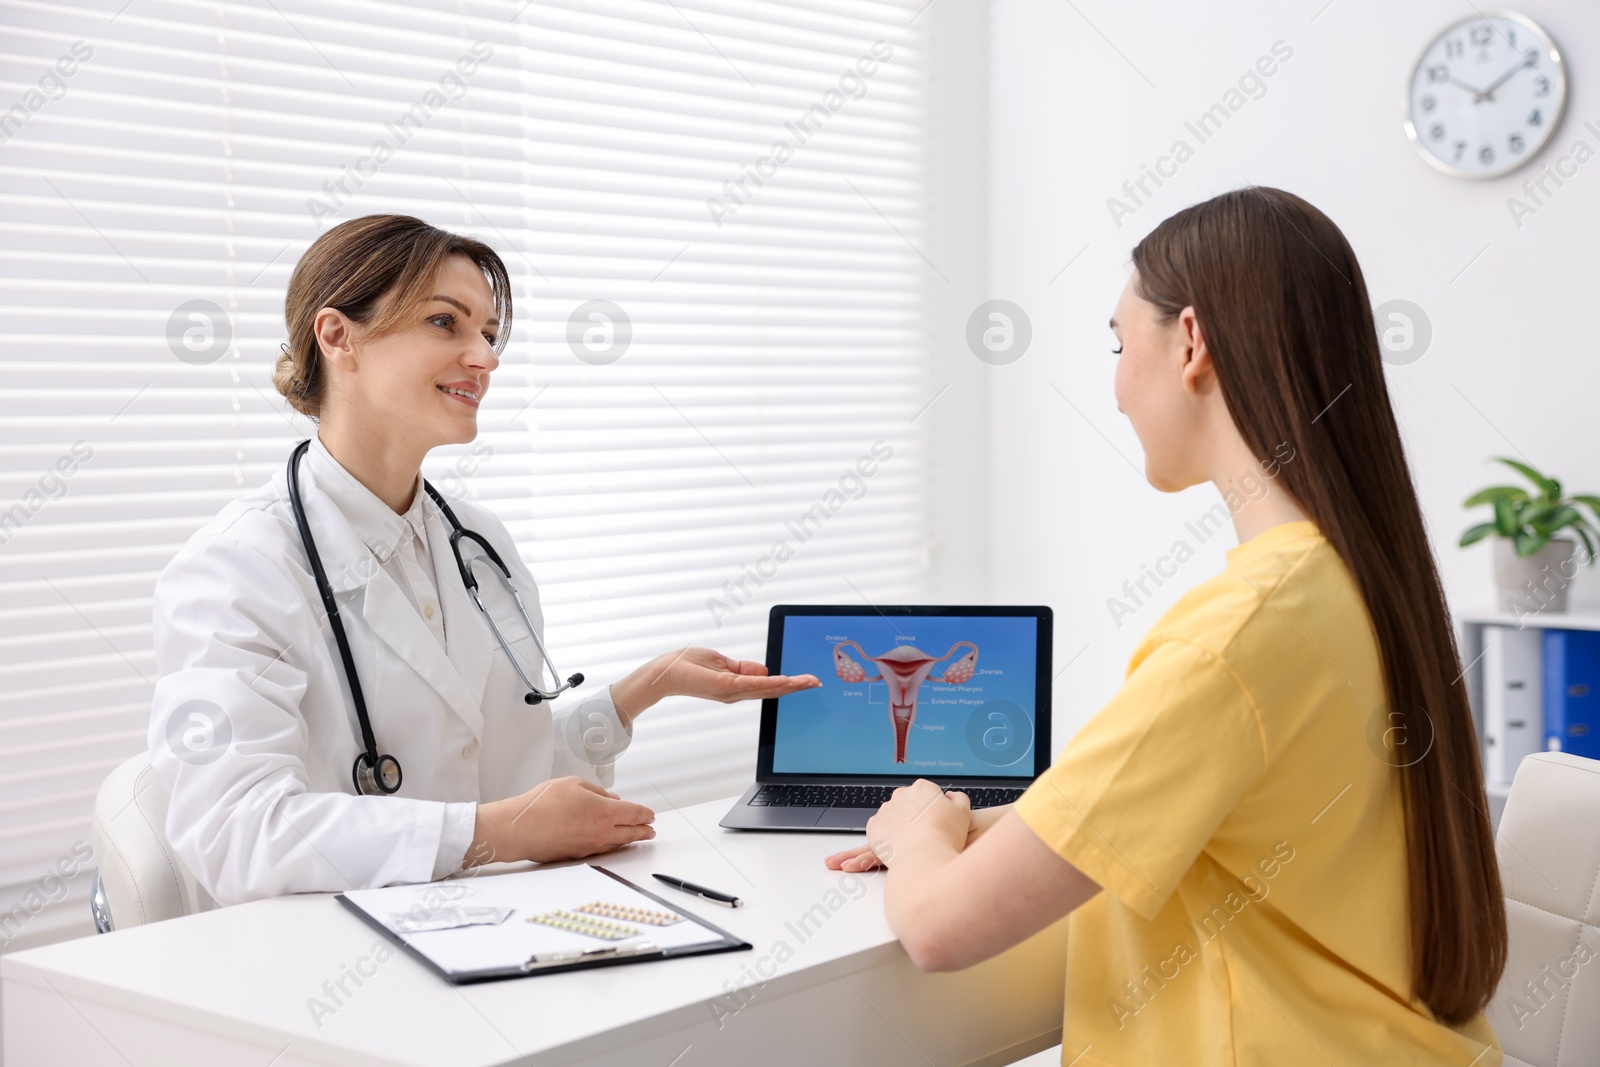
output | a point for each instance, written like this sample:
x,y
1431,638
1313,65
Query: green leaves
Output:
x,y
1583,534
1590,502
1527,544
1530,521
1553,519
1505,517
1548,486
1493,493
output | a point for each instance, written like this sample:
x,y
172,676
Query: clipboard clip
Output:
x,y
591,955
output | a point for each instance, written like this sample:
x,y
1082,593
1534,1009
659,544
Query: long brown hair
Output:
x,y
1285,314
353,268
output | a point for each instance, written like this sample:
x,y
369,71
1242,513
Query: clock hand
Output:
x,y
1489,92
1477,94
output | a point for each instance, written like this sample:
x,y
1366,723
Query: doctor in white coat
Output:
x,y
395,328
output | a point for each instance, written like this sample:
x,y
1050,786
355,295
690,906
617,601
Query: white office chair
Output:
x,y
1549,850
138,879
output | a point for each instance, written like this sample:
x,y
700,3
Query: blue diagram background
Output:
x,y
825,731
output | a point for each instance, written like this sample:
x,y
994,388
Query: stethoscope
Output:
x,y
376,774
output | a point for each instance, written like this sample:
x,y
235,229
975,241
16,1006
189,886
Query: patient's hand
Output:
x,y
862,858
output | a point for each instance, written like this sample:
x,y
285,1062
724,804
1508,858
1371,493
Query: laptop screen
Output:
x,y
911,692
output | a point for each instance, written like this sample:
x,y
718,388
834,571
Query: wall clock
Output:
x,y
1485,95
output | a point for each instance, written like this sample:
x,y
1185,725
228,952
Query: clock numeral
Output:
x,y
1515,142
1533,57
1483,33
1543,84
1486,155
1461,146
1436,131
1511,39
1454,49
1536,119
1428,102
1438,73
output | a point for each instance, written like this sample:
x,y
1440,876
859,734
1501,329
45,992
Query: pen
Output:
x,y
727,900
546,959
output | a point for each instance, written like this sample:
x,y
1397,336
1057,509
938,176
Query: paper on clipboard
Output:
x,y
510,944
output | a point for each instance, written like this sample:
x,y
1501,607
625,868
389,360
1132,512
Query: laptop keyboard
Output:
x,y
864,796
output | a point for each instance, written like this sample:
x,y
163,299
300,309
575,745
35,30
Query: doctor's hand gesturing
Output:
x,y
570,818
703,673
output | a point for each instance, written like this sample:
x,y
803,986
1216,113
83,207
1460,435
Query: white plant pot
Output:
x,y
1537,583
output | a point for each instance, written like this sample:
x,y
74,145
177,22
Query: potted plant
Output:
x,y
1532,566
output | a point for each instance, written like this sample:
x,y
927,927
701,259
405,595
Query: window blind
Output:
x,y
711,211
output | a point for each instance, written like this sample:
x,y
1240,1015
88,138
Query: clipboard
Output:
x,y
518,948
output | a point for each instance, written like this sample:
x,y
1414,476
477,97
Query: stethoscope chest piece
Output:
x,y
383,780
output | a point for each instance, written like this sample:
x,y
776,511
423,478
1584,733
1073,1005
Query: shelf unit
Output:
x,y
1471,626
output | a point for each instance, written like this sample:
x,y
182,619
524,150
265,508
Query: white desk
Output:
x,y
230,988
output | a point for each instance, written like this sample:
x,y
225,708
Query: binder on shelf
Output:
x,y
1513,709
1572,692
551,919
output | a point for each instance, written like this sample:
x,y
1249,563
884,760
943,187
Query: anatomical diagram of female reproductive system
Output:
x,y
905,669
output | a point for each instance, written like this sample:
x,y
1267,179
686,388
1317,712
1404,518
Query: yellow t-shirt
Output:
x,y
1239,803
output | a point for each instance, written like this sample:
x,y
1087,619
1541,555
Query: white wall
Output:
x,y
956,387
1512,367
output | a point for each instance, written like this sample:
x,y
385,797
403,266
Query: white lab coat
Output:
x,y
266,805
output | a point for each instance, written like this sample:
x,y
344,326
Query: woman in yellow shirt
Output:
x,y
1273,841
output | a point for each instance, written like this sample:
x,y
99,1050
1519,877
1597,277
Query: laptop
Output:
x,y
957,695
